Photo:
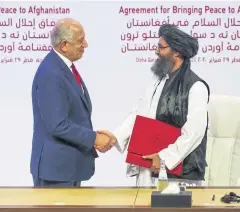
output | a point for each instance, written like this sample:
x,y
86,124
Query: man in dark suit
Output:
x,y
64,143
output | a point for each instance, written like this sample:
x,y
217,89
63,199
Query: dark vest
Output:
x,y
173,109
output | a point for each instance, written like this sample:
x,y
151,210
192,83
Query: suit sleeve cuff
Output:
x,y
92,138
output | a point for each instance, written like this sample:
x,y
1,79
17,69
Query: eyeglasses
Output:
x,y
159,47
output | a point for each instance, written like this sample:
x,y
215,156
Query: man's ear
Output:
x,y
176,54
63,46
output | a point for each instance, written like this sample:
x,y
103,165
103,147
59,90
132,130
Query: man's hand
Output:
x,y
110,135
155,162
102,143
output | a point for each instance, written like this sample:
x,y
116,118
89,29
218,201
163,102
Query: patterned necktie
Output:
x,y
76,74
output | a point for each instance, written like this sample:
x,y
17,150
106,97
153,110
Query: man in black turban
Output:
x,y
174,46
177,97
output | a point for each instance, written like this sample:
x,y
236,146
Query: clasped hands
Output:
x,y
104,140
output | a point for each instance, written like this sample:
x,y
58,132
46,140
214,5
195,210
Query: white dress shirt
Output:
x,y
67,62
192,131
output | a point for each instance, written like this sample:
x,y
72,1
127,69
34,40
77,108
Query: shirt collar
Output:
x,y
65,60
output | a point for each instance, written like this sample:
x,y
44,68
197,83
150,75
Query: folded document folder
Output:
x,y
150,136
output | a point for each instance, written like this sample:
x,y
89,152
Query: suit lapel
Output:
x,y
87,97
72,80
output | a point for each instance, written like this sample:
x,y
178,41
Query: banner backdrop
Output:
x,y
122,38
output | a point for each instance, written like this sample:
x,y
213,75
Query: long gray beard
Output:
x,y
162,66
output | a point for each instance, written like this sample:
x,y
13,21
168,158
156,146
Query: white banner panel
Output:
x,y
122,37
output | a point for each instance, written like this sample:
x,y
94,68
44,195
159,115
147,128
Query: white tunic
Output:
x,y
191,133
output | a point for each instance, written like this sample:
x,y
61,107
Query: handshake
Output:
x,y
104,140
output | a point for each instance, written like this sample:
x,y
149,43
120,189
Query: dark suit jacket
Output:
x,y
63,138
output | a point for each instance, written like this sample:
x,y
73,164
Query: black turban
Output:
x,y
179,41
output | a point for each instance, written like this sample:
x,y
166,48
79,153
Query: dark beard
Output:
x,y
162,66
